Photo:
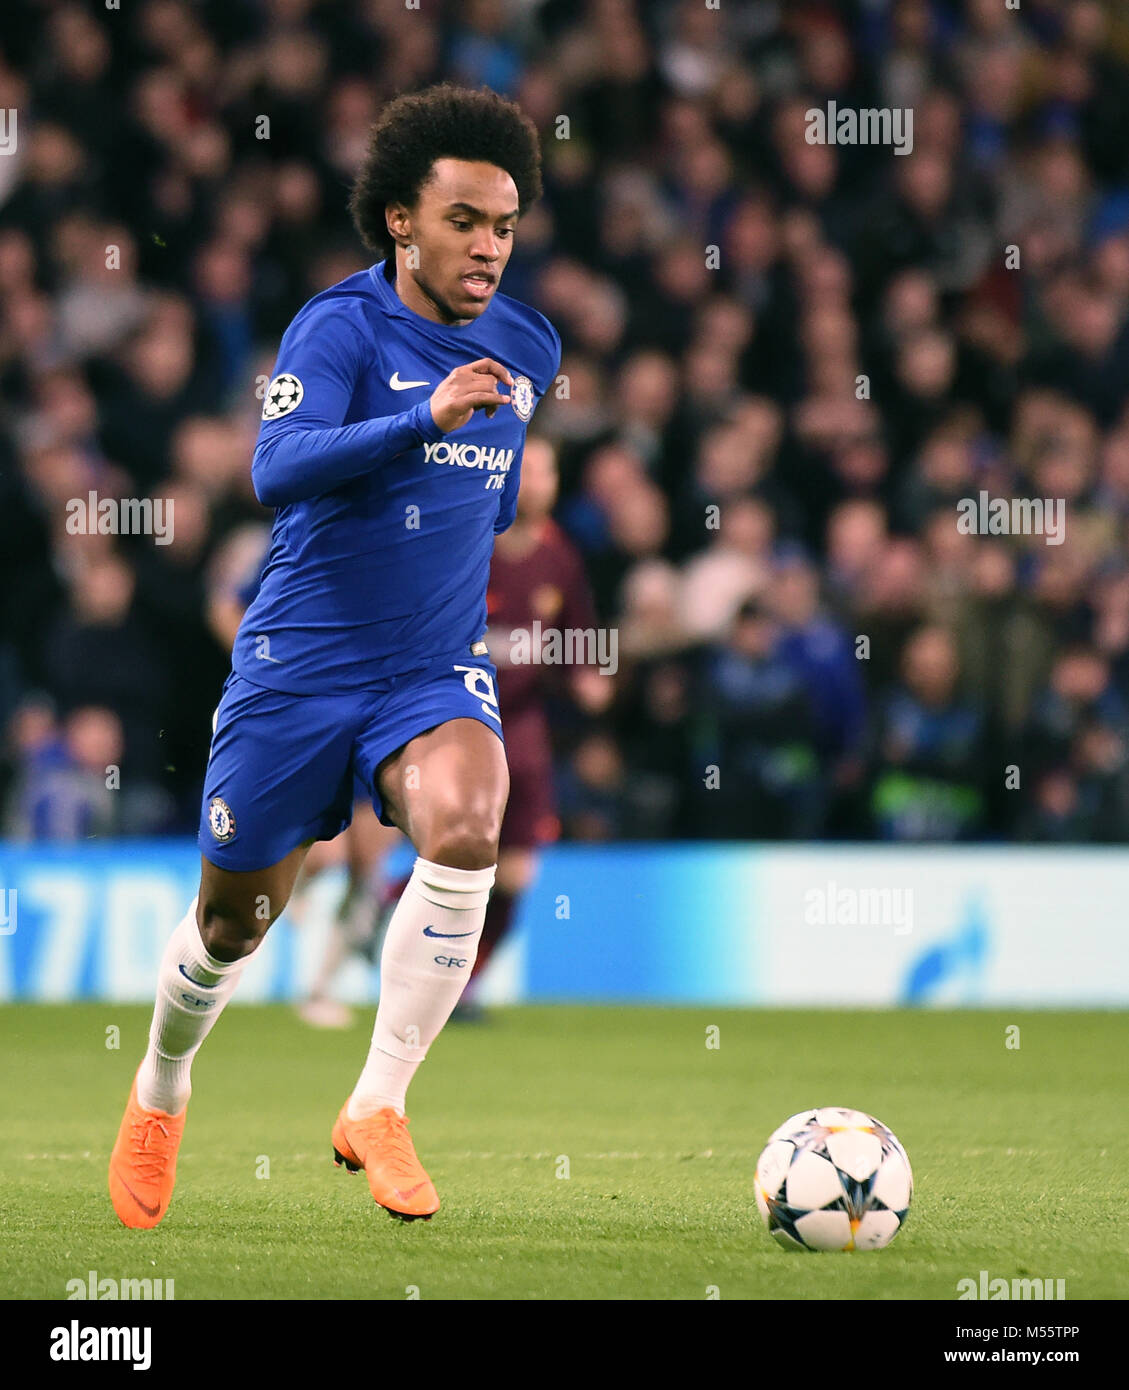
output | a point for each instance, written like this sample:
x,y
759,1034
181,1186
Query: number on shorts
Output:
x,y
481,686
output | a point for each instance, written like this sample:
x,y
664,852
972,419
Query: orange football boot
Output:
x,y
382,1146
143,1163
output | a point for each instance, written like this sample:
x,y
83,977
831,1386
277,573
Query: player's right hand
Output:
x,y
467,389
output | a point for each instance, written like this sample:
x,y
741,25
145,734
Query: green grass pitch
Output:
x,y
1019,1155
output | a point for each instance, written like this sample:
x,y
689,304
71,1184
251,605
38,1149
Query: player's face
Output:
x,y
463,224
537,495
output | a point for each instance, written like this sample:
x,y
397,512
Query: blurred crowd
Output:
x,y
784,365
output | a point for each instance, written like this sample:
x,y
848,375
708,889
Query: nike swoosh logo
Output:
x,y
411,1192
398,385
198,983
145,1207
446,935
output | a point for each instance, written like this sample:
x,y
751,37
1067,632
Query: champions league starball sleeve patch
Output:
x,y
283,395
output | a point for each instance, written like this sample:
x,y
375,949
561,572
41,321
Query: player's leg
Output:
x,y
530,822
199,971
370,842
203,960
355,926
446,789
279,776
367,845
319,1008
516,870
278,779
323,857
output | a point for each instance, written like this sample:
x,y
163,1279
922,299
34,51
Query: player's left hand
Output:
x,y
467,389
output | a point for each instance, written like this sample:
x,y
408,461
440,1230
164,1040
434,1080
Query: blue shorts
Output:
x,y
285,769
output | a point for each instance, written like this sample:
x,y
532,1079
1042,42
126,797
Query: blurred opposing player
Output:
x,y
536,576
390,446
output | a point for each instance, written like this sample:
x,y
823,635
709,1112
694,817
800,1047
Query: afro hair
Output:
x,y
441,122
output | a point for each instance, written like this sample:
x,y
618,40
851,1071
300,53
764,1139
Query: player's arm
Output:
x,y
304,450
507,503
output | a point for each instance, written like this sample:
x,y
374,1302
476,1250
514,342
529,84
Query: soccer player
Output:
x,y
362,847
537,584
536,576
390,446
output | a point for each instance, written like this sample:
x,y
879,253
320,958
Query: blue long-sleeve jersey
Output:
x,y
384,527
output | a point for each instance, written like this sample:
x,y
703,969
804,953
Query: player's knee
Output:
x,y
230,933
464,841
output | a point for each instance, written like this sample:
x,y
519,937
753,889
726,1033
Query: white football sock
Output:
x,y
428,954
192,989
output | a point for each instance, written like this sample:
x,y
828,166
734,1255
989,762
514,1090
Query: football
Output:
x,y
833,1179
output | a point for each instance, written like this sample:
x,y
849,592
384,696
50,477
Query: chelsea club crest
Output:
x,y
220,820
521,397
